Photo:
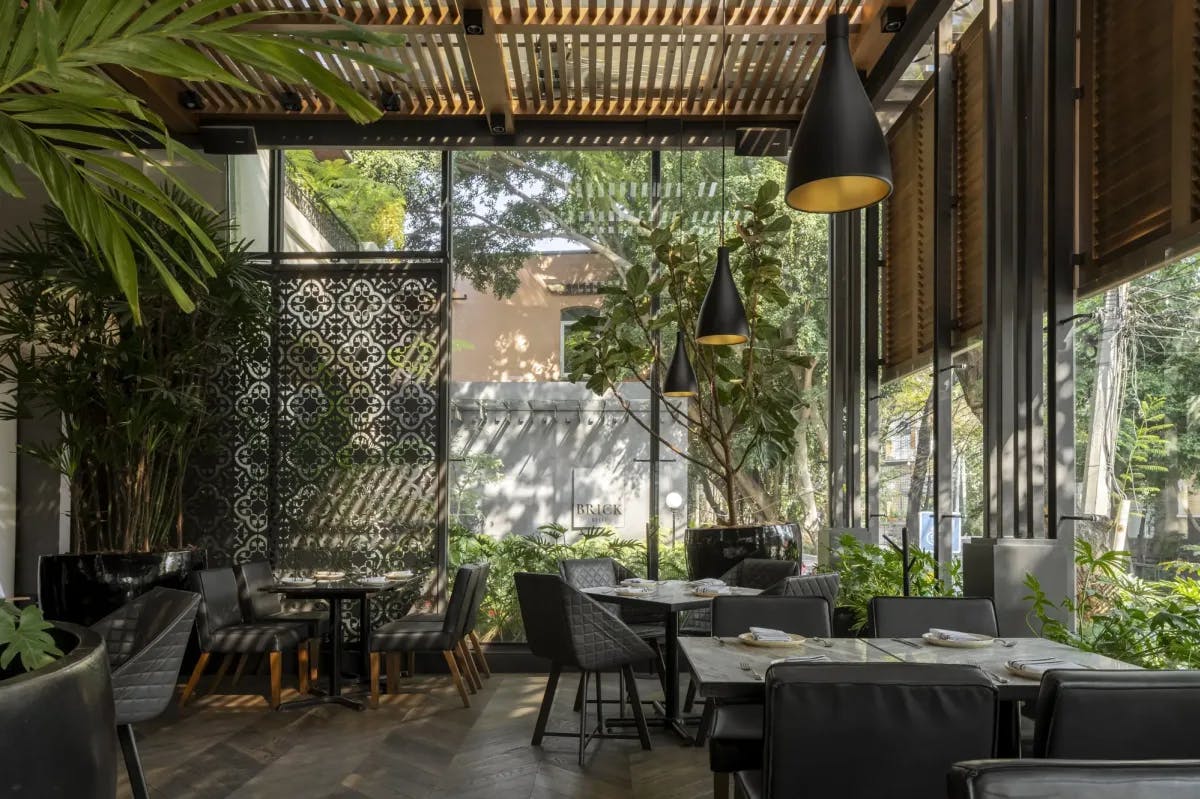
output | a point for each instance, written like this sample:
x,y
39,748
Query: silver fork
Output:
x,y
821,641
745,666
906,642
719,640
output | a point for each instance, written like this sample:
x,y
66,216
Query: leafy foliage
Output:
x,y
746,409
1151,623
373,210
540,552
867,571
23,635
132,396
67,118
1141,448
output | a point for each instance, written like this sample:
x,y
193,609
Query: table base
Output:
x,y
325,699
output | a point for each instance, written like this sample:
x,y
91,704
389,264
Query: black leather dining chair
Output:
x,y
734,730
826,584
768,576
221,629
869,730
912,616
264,606
1075,779
472,642
1117,715
570,629
146,640
402,637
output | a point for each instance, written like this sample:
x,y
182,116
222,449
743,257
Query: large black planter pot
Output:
x,y
844,619
85,588
60,734
712,551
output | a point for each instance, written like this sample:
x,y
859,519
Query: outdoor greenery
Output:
x,y
540,551
746,408
866,571
132,396
24,638
373,210
1150,623
66,115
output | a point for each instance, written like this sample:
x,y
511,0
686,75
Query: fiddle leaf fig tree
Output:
x,y
746,409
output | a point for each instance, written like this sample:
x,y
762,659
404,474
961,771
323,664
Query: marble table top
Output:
x,y
669,595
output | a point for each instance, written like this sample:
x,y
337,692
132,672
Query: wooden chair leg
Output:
x,y
539,729
478,647
237,673
224,667
276,680
720,785
314,659
302,670
375,679
393,672
195,678
469,666
457,677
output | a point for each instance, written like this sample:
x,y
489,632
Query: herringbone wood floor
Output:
x,y
416,745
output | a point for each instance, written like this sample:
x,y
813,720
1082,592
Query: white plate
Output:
x,y
328,576
977,643
631,590
297,582
750,640
636,581
374,581
403,574
700,592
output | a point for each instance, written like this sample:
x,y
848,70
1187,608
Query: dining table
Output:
x,y
668,598
334,593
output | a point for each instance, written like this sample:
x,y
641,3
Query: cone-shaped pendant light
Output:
x,y
722,315
839,159
680,380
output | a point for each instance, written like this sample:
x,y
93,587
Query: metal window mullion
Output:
x,y
655,382
444,355
872,265
943,300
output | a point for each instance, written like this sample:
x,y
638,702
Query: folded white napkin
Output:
x,y
712,589
767,634
1041,666
954,635
634,589
706,581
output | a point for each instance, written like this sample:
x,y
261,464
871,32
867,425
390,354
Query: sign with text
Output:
x,y
594,502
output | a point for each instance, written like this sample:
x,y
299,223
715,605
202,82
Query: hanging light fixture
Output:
x,y
680,380
722,316
839,159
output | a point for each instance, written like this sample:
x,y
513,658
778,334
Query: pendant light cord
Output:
x,y
724,55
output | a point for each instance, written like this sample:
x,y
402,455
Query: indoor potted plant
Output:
x,y
742,420
131,397
56,709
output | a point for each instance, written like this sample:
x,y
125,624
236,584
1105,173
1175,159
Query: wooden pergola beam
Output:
x,y
486,60
160,94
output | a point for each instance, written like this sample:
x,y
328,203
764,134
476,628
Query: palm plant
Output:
x,y
65,116
131,396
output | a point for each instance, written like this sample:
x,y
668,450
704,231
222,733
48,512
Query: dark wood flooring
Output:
x,y
419,744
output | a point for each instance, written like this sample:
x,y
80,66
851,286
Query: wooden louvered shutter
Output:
x,y
907,282
1141,78
970,198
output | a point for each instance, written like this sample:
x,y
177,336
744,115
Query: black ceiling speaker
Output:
x,y
722,315
892,19
290,101
680,380
389,101
228,139
839,159
496,124
191,100
473,21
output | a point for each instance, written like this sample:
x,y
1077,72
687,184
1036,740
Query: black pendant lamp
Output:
x,y
680,380
839,159
722,315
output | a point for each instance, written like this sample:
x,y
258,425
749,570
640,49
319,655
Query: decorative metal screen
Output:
x,y
348,450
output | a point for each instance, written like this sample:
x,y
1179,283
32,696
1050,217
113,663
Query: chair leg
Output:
x,y
469,665
539,729
583,682
457,677
314,659
302,671
706,717
411,664
375,679
690,700
720,785
276,680
224,667
660,663
464,670
579,697
478,647
195,678
237,673
393,672
133,763
639,715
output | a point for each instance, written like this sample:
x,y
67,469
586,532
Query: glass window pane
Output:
x,y
249,193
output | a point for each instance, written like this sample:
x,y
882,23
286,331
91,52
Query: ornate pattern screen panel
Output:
x,y
352,434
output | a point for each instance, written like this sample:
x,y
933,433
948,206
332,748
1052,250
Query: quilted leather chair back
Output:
x,y
1073,779
916,720
218,602
457,621
570,628
912,616
588,572
762,573
256,603
1118,715
481,578
803,615
827,585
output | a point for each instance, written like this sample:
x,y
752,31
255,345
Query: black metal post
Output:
x,y
943,300
444,355
852,366
872,264
655,400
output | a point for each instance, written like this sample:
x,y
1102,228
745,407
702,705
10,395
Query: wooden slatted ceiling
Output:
x,y
574,58
970,147
907,281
